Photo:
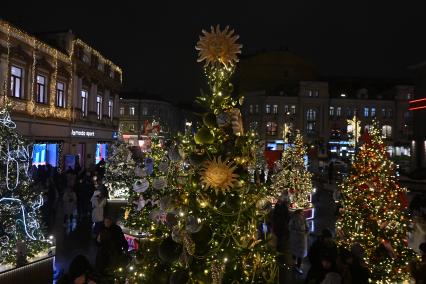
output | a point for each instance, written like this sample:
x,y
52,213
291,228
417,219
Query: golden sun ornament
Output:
x,y
218,175
218,46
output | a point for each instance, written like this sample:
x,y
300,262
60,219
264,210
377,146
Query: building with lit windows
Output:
x,y
320,107
64,95
418,109
140,113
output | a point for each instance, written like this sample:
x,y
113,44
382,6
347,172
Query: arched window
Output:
x,y
271,128
311,115
386,131
367,127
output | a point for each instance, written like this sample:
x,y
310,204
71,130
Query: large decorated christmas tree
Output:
x,y
21,235
204,228
374,213
293,179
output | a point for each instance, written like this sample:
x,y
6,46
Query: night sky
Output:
x,y
153,41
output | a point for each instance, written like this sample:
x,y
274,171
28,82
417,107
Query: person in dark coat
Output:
x,y
327,268
112,248
324,245
280,217
80,271
100,168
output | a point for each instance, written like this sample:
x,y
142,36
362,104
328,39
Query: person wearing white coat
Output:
x,y
298,228
98,204
70,204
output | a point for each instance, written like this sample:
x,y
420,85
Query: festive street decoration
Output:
x,y
293,179
20,225
374,213
218,46
121,172
203,227
354,130
218,175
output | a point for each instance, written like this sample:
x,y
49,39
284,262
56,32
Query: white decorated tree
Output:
x,y
21,235
120,171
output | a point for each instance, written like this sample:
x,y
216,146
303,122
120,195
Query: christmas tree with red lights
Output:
x,y
374,213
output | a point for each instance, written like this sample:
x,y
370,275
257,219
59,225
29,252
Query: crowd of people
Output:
x,y
81,196
326,262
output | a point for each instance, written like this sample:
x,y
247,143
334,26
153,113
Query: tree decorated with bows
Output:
x,y
215,201
374,213
21,234
293,178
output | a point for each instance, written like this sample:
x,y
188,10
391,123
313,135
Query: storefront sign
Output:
x,y
82,133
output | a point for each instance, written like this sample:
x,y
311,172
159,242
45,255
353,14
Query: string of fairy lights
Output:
x,y
374,214
49,110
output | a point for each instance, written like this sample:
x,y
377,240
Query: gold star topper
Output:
x,y
218,46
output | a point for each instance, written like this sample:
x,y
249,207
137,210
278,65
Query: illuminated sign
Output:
x,y
82,133
417,104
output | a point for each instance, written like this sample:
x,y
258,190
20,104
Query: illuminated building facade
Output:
x,y
142,114
63,93
320,107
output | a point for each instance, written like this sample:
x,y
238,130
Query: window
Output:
x,y
132,127
268,108
41,90
367,127
144,111
390,112
99,107
121,110
286,109
383,112
84,101
275,109
331,111
348,112
110,108
373,112
338,111
409,96
310,127
16,82
85,57
132,110
311,115
251,108
366,112
256,108
386,131
316,93
271,128
293,109
60,94
310,93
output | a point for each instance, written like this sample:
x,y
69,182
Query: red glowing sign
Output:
x,y
417,104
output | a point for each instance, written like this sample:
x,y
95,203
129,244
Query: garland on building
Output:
x,y
374,213
293,179
208,218
21,235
